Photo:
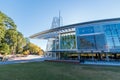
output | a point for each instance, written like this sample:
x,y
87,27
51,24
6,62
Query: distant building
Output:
x,y
94,40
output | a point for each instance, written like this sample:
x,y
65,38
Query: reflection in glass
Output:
x,y
87,42
112,33
68,41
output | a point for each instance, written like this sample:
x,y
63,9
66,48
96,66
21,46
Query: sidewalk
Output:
x,y
29,58
25,58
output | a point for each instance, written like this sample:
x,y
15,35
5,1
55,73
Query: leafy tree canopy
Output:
x,y
7,21
4,48
13,41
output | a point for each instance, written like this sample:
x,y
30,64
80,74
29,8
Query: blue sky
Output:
x,y
32,16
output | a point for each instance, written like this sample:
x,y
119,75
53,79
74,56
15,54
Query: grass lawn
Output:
x,y
58,71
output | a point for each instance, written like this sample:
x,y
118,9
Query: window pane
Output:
x,y
100,41
117,43
87,42
110,42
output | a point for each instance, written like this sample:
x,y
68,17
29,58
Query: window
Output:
x,y
110,42
67,41
85,30
100,41
86,42
117,42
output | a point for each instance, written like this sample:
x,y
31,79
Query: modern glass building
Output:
x,y
93,40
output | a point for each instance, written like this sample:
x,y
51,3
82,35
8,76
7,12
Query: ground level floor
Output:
x,y
86,56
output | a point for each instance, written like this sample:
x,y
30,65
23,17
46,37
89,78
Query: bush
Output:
x,y
26,52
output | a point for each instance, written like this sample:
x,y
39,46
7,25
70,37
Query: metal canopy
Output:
x,y
44,34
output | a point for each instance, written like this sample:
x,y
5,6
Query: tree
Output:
x,y
7,21
4,48
26,47
11,39
6,24
33,49
26,52
2,26
21,42
41,52
2,32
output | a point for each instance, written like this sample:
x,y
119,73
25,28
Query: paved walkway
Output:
x,y
30,58
21,61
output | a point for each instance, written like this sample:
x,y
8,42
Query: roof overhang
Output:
x,y
49,33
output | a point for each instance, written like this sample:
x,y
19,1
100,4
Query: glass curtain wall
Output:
x,y
100,42
68,41
87,39
53,44
87,42
112,33
91,42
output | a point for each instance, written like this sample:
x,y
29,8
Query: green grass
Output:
x,y
58,71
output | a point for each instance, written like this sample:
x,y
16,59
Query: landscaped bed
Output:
x,y
58,71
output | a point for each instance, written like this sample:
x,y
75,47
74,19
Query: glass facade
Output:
x,y
112,34
68,41
100,42
86,42
90,38
98,37
53,44
85,30
91,42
